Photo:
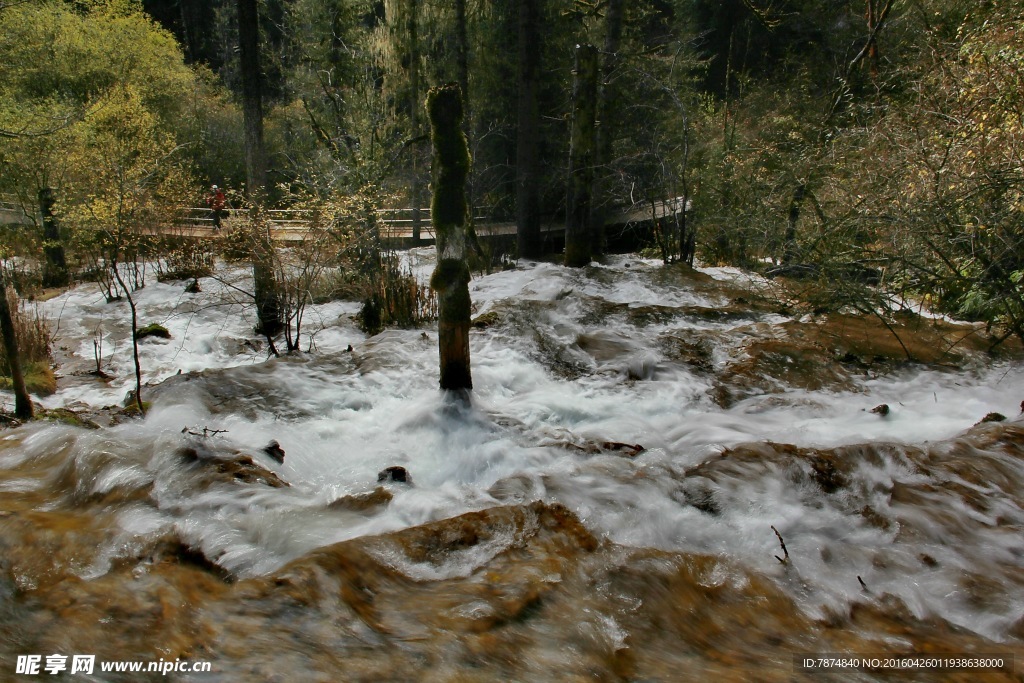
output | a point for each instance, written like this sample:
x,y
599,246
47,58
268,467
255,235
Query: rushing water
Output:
x,y
894,516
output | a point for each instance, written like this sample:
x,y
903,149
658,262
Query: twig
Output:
x,y
862,584
782,560
205,433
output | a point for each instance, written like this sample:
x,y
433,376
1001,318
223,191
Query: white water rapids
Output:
x,y
565,364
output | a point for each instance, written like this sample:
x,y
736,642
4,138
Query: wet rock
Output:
x,y
274,451
882,409
642,367
698,353
630,449
485,320
568,362
153,330
243,469
218,467
992,417
604,346
826,473
171,549
773,365
363,502
874,518
593,447
69,417
698,493
395,473
516,489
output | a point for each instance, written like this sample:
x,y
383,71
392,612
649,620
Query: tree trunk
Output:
x,y
578,240
268,305
135,339
414,118
527,136
55,270
450,217
462,76
188,42
789,248
462,54
604,131
252,95
22,401
871,16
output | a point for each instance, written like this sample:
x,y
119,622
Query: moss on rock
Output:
x,y
153,330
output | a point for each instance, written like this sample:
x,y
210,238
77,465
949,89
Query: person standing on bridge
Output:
x,y
216,201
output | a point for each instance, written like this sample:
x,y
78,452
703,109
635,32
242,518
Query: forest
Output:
x,y
741,281
873,146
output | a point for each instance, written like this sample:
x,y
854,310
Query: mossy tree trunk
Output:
x,y
22,401
462,76
578,240
450,217
414,119
265,287
55,270
604,131
527,134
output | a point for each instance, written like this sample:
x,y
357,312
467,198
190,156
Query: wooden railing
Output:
x,y
290,223
12,213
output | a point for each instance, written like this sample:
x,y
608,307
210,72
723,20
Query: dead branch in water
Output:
x,y
205,433
785,559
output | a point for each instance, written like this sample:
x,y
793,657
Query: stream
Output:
x,y
661,474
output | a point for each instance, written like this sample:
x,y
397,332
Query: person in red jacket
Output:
x,y
216,201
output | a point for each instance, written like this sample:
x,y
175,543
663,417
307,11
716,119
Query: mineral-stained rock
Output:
x,y
228,467
363,502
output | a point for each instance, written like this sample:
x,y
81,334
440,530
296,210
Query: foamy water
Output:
x,y
342,417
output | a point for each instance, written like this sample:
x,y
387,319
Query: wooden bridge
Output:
x,y
12,213
291,225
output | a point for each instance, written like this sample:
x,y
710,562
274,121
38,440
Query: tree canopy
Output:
x,y
876,138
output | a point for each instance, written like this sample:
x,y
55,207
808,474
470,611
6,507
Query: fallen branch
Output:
x,y
205,433
782,560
